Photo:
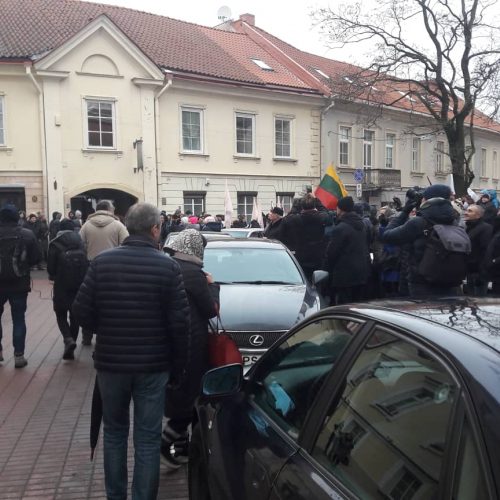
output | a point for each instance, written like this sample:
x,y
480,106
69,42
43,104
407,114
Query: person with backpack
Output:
x,y
67,265
438,247
18,253
480,233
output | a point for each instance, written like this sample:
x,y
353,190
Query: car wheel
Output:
x,y
197,468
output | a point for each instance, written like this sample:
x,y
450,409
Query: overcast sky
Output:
x,y
286,19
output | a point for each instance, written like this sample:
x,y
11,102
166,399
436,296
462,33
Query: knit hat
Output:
x,y
277,211
437,191
346,204
189,242
9,213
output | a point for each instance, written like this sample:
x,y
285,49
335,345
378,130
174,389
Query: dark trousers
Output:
x,y
67,329
477,286
346,295
18,302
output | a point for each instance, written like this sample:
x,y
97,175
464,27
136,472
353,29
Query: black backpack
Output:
x,y
444,262
71,268
13,257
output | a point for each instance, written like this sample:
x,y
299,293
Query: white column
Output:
x,y
148,144
53,135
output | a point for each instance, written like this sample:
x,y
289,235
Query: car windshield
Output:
x,y
251,265
237,234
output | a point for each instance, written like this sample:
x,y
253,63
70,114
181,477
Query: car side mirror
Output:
x,y
319,276
223,381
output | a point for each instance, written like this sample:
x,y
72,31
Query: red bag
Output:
x,y
222,349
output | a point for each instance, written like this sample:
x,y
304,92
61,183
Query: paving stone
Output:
x,y
45,416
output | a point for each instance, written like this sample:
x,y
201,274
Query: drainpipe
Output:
x,y
324,112
168,84
45,187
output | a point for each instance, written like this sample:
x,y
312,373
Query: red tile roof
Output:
x,y
29,28
389,93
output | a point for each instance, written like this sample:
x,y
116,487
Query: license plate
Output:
x,y
250,360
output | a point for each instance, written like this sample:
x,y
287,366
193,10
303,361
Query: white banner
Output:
x,y
228,208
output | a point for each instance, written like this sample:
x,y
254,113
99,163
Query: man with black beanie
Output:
x,y
346,255
18,253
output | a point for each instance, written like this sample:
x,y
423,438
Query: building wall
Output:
x,y
262,174
21,156
399,124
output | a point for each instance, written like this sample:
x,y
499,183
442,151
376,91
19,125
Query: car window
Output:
x,y
291,376
267,265
471,482
386,435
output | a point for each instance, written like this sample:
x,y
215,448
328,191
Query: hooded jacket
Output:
x,y
490,207
404,231
65,240
346,253
102,231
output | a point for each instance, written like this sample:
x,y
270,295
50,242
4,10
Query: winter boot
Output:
x,y
69,348
20,361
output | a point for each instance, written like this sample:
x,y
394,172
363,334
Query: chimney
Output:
x,y
248,18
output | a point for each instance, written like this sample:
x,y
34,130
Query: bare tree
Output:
x,y
439,57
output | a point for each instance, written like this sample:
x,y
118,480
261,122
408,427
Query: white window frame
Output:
x,y
494,165
261,64
290,120
194,195
109,100
440,151
252,116
390,147
200,111
368,149
416,144
3,138
484,163
346,143
286,201
245,204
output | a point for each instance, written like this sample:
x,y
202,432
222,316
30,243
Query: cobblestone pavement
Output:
x,y
45,415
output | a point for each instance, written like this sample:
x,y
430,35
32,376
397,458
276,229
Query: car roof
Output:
x,y
478,318
245,243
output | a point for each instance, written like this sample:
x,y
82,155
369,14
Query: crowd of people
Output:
x,y
150,310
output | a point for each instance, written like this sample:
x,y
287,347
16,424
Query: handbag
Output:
x,y
222,349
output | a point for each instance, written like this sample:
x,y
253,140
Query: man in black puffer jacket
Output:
x,y
436,208
133,297
346,255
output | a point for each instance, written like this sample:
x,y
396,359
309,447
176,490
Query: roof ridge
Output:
x,y
119,7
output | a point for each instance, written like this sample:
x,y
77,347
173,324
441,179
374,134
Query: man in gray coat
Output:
x,y
102,231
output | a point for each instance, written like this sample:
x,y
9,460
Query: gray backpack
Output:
x,y
444,262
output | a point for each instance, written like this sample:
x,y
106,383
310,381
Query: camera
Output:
x,y
415,195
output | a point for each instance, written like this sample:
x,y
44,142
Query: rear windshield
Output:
x,y
233,265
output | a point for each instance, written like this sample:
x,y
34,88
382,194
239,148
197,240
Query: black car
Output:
x,y
396,401
263,291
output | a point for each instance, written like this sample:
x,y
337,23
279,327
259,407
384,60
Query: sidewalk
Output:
x,y
45,416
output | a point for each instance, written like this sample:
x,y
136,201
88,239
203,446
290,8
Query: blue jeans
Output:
x,y
148,393
17,301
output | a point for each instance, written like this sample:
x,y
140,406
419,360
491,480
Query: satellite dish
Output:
x,y
224,13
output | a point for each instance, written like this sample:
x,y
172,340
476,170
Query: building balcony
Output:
x,y
381,178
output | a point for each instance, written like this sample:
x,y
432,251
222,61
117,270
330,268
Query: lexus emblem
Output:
x,y
256,340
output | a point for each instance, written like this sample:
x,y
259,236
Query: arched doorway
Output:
x,y
87,201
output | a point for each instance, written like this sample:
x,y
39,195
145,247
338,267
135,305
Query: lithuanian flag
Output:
x,y
330,189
